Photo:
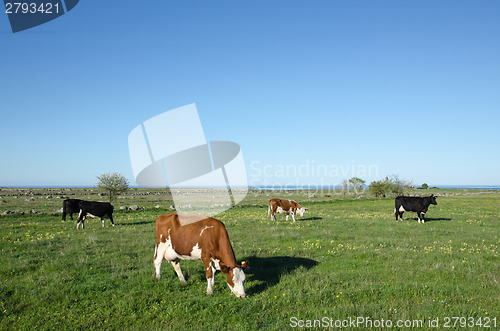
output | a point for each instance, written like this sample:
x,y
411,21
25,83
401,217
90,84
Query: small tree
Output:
x,y
425,186
114,183
357,184
398,185
345,187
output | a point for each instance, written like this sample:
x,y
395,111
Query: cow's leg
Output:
x,y
102,220
82,222
111,219
286,219
160,250
210,273
293,217
401,216
396,214
80,219
177,267
422,217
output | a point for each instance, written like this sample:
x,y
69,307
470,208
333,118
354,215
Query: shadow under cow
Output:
x,y
267,271
428,219
431,219
137,223
314,218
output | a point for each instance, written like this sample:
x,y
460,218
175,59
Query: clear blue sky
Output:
x,y
410,87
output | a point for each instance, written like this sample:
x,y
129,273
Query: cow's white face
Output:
x,y
301,211
235,280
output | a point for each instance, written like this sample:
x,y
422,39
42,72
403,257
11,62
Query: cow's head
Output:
x,y
301,211
433,199
236,278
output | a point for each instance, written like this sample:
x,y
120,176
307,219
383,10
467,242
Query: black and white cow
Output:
x,y
94,209
416,204
70,207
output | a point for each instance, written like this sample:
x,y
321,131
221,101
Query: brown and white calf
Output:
x,y
197,237
288,207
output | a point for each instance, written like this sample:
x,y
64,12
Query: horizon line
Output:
x,y
277,186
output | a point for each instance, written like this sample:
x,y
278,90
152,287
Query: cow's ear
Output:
x,y
224,268
244,265
432,195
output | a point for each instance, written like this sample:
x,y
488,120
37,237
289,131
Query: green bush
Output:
x,y
390,186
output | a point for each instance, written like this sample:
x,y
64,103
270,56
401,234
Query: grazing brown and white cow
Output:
x,y
196,237
288,207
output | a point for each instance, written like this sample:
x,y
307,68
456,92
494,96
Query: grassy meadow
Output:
x,y
346,258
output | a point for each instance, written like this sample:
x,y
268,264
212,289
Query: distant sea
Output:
x,y
313,187
471,187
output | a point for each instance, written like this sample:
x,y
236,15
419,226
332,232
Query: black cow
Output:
x,y
70,207
416,204
94,209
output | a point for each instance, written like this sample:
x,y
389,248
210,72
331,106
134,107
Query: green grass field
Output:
x,y
346,258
